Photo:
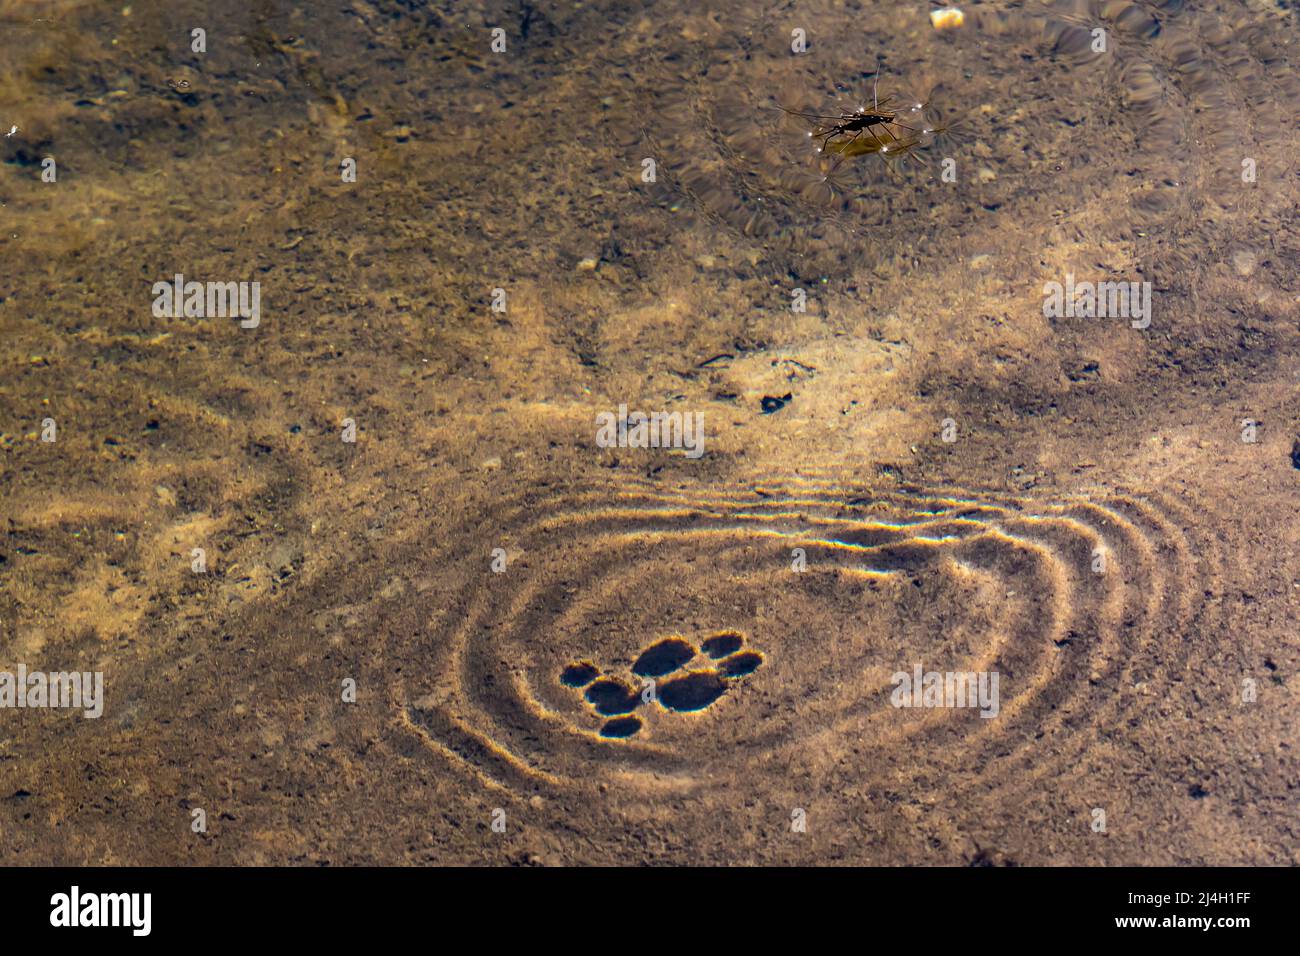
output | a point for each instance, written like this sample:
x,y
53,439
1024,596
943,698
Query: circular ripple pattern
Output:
x,y
1124,117
1088,610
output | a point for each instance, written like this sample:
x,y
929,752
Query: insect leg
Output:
x,y
840,159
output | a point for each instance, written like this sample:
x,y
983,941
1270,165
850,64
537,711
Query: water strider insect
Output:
x,y
866,130
881,133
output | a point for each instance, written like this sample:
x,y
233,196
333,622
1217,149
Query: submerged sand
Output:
x,y
476,541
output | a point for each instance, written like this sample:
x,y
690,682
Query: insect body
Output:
x,y
878,129
836,133
887,132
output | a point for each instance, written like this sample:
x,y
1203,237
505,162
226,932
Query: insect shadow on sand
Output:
x,y
677,688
